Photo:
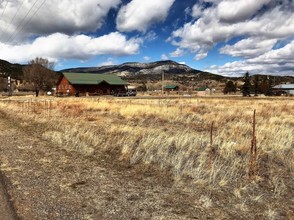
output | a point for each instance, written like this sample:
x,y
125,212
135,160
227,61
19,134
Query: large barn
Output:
x,y
90,83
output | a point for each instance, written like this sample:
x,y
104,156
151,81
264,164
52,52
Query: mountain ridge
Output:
x,y
136,71
136,68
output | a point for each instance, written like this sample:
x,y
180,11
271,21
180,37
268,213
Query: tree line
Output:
x,y
255,85
37,75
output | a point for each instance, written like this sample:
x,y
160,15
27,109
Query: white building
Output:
x,y
287,89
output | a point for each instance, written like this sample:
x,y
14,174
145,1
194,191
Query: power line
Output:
x,y
12,19
24,24
31,17
16,12
4,10
12,36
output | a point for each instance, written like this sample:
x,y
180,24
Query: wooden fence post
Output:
x,y
253,150
211,151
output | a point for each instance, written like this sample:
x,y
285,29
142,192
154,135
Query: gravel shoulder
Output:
x,y
6,208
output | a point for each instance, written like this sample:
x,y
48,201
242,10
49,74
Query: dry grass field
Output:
x,y
177,136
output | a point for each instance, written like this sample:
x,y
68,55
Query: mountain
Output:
x,y
133,69
135,72
149,71
14,70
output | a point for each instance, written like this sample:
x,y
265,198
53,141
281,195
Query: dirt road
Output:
x,y
7,211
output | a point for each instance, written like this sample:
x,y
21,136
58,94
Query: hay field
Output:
x,y
174,134
203,144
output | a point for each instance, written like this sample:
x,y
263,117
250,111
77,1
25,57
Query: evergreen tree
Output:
x,y
246,86
263,86
269,91
230,87
256,85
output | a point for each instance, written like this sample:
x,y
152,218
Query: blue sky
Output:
x,y
226,37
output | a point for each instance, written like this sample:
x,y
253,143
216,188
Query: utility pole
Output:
x,y
9,86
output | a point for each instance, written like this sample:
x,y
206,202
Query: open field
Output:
x,y
176,138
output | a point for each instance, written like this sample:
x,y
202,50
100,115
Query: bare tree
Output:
x,y
40,74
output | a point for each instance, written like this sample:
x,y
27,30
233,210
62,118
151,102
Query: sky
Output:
x,y
225,37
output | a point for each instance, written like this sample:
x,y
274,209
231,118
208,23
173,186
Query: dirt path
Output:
x,y
7,211
46,182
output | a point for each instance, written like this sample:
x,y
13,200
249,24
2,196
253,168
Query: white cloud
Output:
x,y
276,22
139,15
177,53
22,19
201,55
164,57
61,46
150,36
274,62
146,58
259,25
239,10
249,47
197,10
108,62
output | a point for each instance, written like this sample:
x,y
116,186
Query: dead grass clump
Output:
x,y
72,110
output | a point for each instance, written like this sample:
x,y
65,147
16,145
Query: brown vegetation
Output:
x,y
177,135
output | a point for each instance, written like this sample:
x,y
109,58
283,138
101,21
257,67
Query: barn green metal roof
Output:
x,y
201,89
171,87
93,79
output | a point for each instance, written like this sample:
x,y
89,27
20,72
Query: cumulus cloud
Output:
x,y
177,53
164,57
216,25
109,62
150,36
139,15
60,46
146,58
240,10
23,19
197,10
201,55
276,62
249,47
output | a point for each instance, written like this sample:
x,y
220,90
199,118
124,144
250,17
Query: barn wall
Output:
x,y
103,88
65,87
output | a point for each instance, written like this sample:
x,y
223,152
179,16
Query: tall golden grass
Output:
x,y
173,134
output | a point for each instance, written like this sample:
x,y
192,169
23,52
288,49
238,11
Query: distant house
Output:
x,y
284,89
98,84
203,91
171,88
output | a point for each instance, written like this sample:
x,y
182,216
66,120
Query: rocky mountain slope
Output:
x,y
153,72
145,70
133,68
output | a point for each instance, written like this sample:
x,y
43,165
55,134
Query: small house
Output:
x,y
169,88
201,91
90,83
284,89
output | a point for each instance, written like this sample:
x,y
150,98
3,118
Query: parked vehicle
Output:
x,y
132,92
120,93
129,92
